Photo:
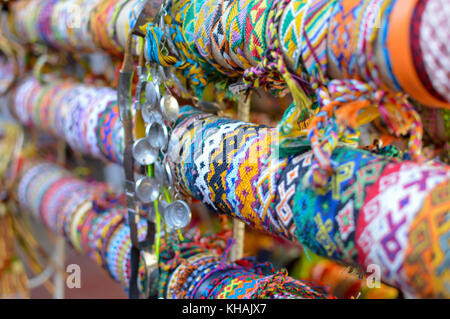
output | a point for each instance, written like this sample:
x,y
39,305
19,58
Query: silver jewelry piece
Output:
x,y
147,189
177,215
143,152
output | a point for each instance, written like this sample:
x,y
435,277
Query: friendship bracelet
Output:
x,y
398,43
433,39
416,49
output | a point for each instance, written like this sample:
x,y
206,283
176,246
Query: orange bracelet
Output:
x,y
99,26
398,42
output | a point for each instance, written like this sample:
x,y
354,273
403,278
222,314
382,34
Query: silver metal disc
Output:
x,y
150,115
169,177
143,152
177,215
158,135
147,189
170,107
160,174
163,174
151,94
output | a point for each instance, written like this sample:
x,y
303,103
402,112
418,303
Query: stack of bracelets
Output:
x,y
318,37
85,116
268,194
75,25
348,64
93,221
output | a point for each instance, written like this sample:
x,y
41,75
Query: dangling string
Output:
x,y
272,72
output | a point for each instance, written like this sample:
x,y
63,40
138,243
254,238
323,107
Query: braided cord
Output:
x,y
188,61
